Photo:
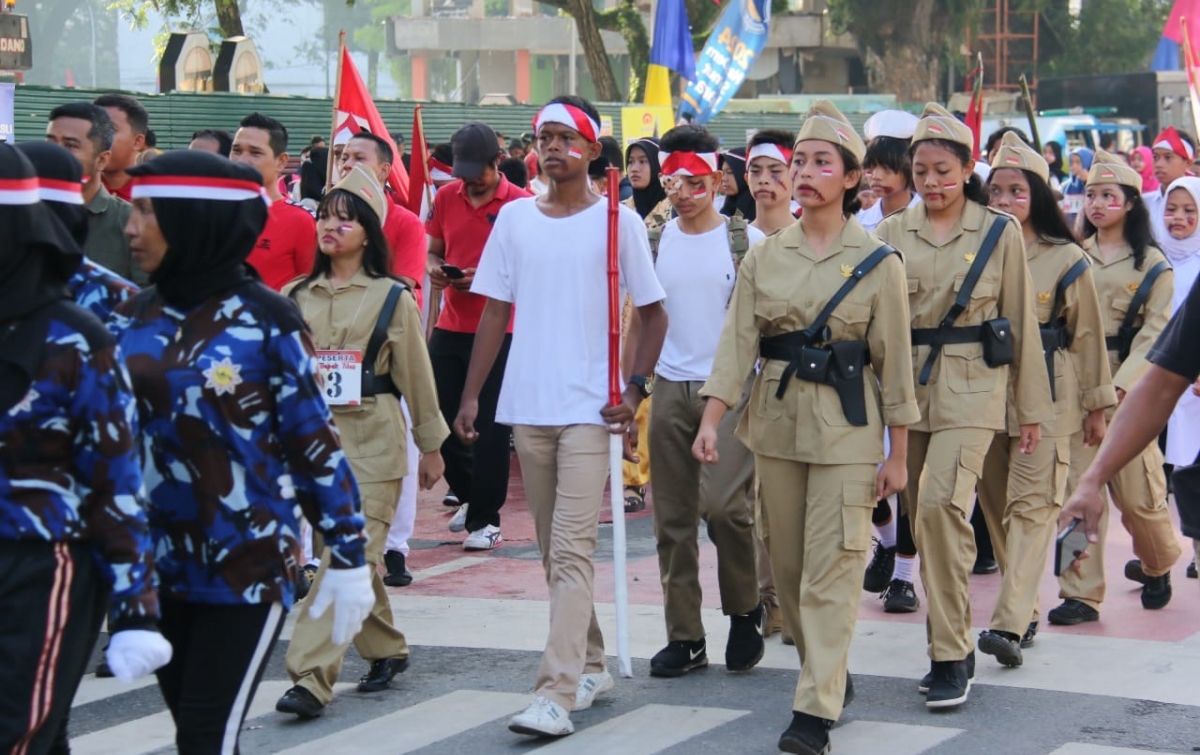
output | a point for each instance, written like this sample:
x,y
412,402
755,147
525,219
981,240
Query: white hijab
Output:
x,y
1178,250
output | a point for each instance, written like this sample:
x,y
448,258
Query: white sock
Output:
x,y
904,569
887,532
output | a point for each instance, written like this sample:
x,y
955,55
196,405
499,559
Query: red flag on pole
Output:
x,y
418,175
1191,63
974,119
354,101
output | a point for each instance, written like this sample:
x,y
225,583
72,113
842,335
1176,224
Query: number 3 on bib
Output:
x,y
341,377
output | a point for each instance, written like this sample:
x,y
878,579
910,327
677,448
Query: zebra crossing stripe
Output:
x,y
648,730
865,737
418,726
1078,748
150,733
93,688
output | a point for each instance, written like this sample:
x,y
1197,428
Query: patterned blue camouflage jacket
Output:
x,y
230,408
98,289
69,468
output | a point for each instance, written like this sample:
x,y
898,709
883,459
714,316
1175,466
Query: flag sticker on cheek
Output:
x,y
826,171
1115,205
1021,200
949,186
574,154
699,194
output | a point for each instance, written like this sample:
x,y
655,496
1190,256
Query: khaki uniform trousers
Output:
x,y
943,470
564,469
818,520
766,577
1021,497
686,492
637,474
313,660
1139,492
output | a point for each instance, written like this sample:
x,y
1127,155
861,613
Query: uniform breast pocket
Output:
x,y
983,297
849,320
914,285
765,404
770,311
965,371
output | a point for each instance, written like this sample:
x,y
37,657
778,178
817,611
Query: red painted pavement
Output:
x,y
522,579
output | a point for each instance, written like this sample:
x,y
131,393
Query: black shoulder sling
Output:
x,y
945,332
1054,331
839,364
1122,342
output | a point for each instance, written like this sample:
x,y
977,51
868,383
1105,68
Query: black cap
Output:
x,y
475,147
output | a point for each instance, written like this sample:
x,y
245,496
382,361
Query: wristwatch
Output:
x,y
645,385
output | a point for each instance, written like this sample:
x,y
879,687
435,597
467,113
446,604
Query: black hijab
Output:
x,y
312,174
60,179
38,256
645,200
211,212
743,201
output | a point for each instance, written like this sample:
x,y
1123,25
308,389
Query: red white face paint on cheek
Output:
x,y
826,171
1115,205
948,187
574,154
1021,200
345,228
700,194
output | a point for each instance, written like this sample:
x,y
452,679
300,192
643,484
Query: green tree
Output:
x,y
1108,36
904,42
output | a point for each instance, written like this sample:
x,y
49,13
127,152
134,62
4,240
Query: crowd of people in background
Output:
x,y
850,356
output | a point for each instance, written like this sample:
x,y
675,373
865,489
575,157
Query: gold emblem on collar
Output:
x,y
847,271
1043,297
969,256
1132,286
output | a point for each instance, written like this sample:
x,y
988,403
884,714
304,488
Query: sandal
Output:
x,y
635,500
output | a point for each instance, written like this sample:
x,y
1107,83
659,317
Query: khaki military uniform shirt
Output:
x,y
374,434
1082,379
1116,283
963,391
782,286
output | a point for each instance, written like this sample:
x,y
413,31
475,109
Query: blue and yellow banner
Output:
x,y
670,51
737,40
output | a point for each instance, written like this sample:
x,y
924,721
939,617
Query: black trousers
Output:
x,y
219,656
52,600
478,474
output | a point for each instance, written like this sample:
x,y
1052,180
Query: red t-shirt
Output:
x,y
406,236
287,246
125,192
465,229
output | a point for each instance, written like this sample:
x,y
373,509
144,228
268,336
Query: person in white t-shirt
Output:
x,y
547,257
697,264
768,174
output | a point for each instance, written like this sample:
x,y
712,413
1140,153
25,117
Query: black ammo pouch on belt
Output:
x,y
839,365
1122,342
1055,335
811,357
997,342
996,335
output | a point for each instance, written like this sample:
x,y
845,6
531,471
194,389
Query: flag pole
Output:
x,y
1189,62
616,445
337,98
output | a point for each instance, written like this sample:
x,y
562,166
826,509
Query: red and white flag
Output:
x,y
354,111
1191,62
419,180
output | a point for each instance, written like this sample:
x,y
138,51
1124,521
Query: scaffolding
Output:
x,y
1008,39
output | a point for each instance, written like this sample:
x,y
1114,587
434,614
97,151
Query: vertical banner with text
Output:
x,y
735,42
7,94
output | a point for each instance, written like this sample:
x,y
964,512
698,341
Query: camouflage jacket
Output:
x,y
69,470
98,289
234,425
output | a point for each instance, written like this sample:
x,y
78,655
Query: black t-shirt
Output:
x,y
1178,346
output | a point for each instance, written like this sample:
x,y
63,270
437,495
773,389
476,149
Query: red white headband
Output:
x,y
1169,139
687,163
19,191
195,187
773,151
63,192
569,116
440,171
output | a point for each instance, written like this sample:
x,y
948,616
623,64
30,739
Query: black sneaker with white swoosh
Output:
x,y
679,657
745,647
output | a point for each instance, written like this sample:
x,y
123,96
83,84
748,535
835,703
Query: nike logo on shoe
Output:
x,y
694,654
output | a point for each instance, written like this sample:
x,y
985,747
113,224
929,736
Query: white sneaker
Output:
x,y
543,718
484,539
591,685
458,522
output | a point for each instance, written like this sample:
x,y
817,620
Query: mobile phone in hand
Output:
x,y
1070,544
453,272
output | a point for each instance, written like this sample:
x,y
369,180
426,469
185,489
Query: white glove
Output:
x,y
350,593
134,653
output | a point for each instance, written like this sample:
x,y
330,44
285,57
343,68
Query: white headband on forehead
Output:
x,y
773,151
569,116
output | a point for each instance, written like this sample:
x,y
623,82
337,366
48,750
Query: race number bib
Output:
x,y
341,377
